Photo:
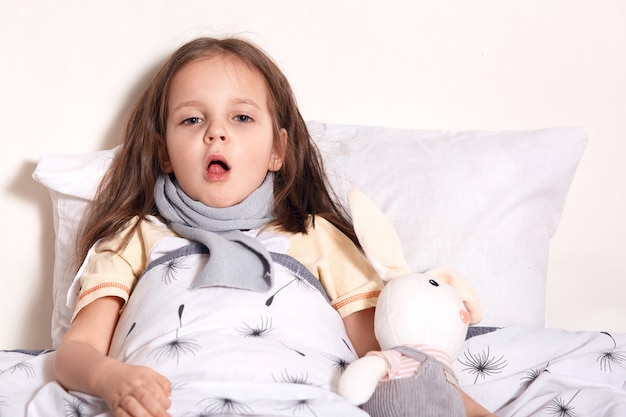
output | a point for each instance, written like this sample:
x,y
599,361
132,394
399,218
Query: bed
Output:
x,y
484,202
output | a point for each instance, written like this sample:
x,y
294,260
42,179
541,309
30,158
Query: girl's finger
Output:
x,y
131,407
159,390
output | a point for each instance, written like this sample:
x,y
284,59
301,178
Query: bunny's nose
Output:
x,y
465,317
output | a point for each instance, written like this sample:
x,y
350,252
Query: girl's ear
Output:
x,y
278,154
164,159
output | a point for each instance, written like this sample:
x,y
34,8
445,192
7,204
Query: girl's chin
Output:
x,y
220,201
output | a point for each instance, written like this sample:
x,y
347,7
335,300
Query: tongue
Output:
x,y
216,168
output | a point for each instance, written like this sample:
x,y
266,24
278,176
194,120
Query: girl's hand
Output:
x,y
134,391
81,364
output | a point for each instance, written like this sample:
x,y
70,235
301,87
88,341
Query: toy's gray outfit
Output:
x,y
432,391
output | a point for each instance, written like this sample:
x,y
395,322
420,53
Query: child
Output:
x,y
216,152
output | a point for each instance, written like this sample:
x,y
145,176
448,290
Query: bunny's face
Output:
x,y
421,309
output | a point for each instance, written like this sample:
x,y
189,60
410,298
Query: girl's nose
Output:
x,y
215,131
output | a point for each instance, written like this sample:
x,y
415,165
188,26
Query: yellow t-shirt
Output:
x,y
348,278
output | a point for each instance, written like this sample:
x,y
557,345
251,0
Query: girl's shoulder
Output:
x,y
316,226
322,236
153,228
139,230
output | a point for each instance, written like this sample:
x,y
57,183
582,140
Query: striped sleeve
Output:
x,y
347,276
110,271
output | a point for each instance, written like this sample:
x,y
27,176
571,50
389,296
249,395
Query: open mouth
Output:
x,y
217,166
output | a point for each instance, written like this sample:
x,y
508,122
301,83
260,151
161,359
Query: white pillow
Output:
x,y
72,181
485,203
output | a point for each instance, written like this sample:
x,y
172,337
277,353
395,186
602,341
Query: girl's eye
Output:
x,y
192,121
243,118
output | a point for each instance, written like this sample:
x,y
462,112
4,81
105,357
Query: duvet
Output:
x,y
280,353
525,371
226,351
515,371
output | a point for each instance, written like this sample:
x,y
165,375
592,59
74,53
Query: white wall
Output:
x,y
70,69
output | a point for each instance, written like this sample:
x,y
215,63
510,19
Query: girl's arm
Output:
x,y
360,329
473,409
82,364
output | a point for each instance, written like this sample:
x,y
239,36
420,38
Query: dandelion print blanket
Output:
x,y
226,351
515,371
232,352
525,371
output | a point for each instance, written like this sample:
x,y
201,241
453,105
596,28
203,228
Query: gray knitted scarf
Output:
x,y
235,259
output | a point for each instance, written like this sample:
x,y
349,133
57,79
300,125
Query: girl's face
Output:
x,y
219,132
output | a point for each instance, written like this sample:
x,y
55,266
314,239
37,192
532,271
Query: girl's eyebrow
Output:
x,y
247,101
186,104
193,103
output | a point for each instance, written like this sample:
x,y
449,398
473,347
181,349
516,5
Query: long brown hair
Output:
x,y
300,186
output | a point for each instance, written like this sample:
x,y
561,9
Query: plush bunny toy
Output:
x,y
421,323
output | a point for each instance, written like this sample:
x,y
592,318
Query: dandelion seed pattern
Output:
x,y
221,406
302,276
482,364
300,407
177,347
257,330
610,357
297,279
347,345
288,378
293,349
132,327
179,386
74,408
23,367
559,408
531,376
171,268
339,363
270,300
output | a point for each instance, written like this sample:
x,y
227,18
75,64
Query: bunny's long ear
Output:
x,y
465,290
377,236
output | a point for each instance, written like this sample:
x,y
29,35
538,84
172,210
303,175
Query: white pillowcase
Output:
x,y
72,181
485,203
